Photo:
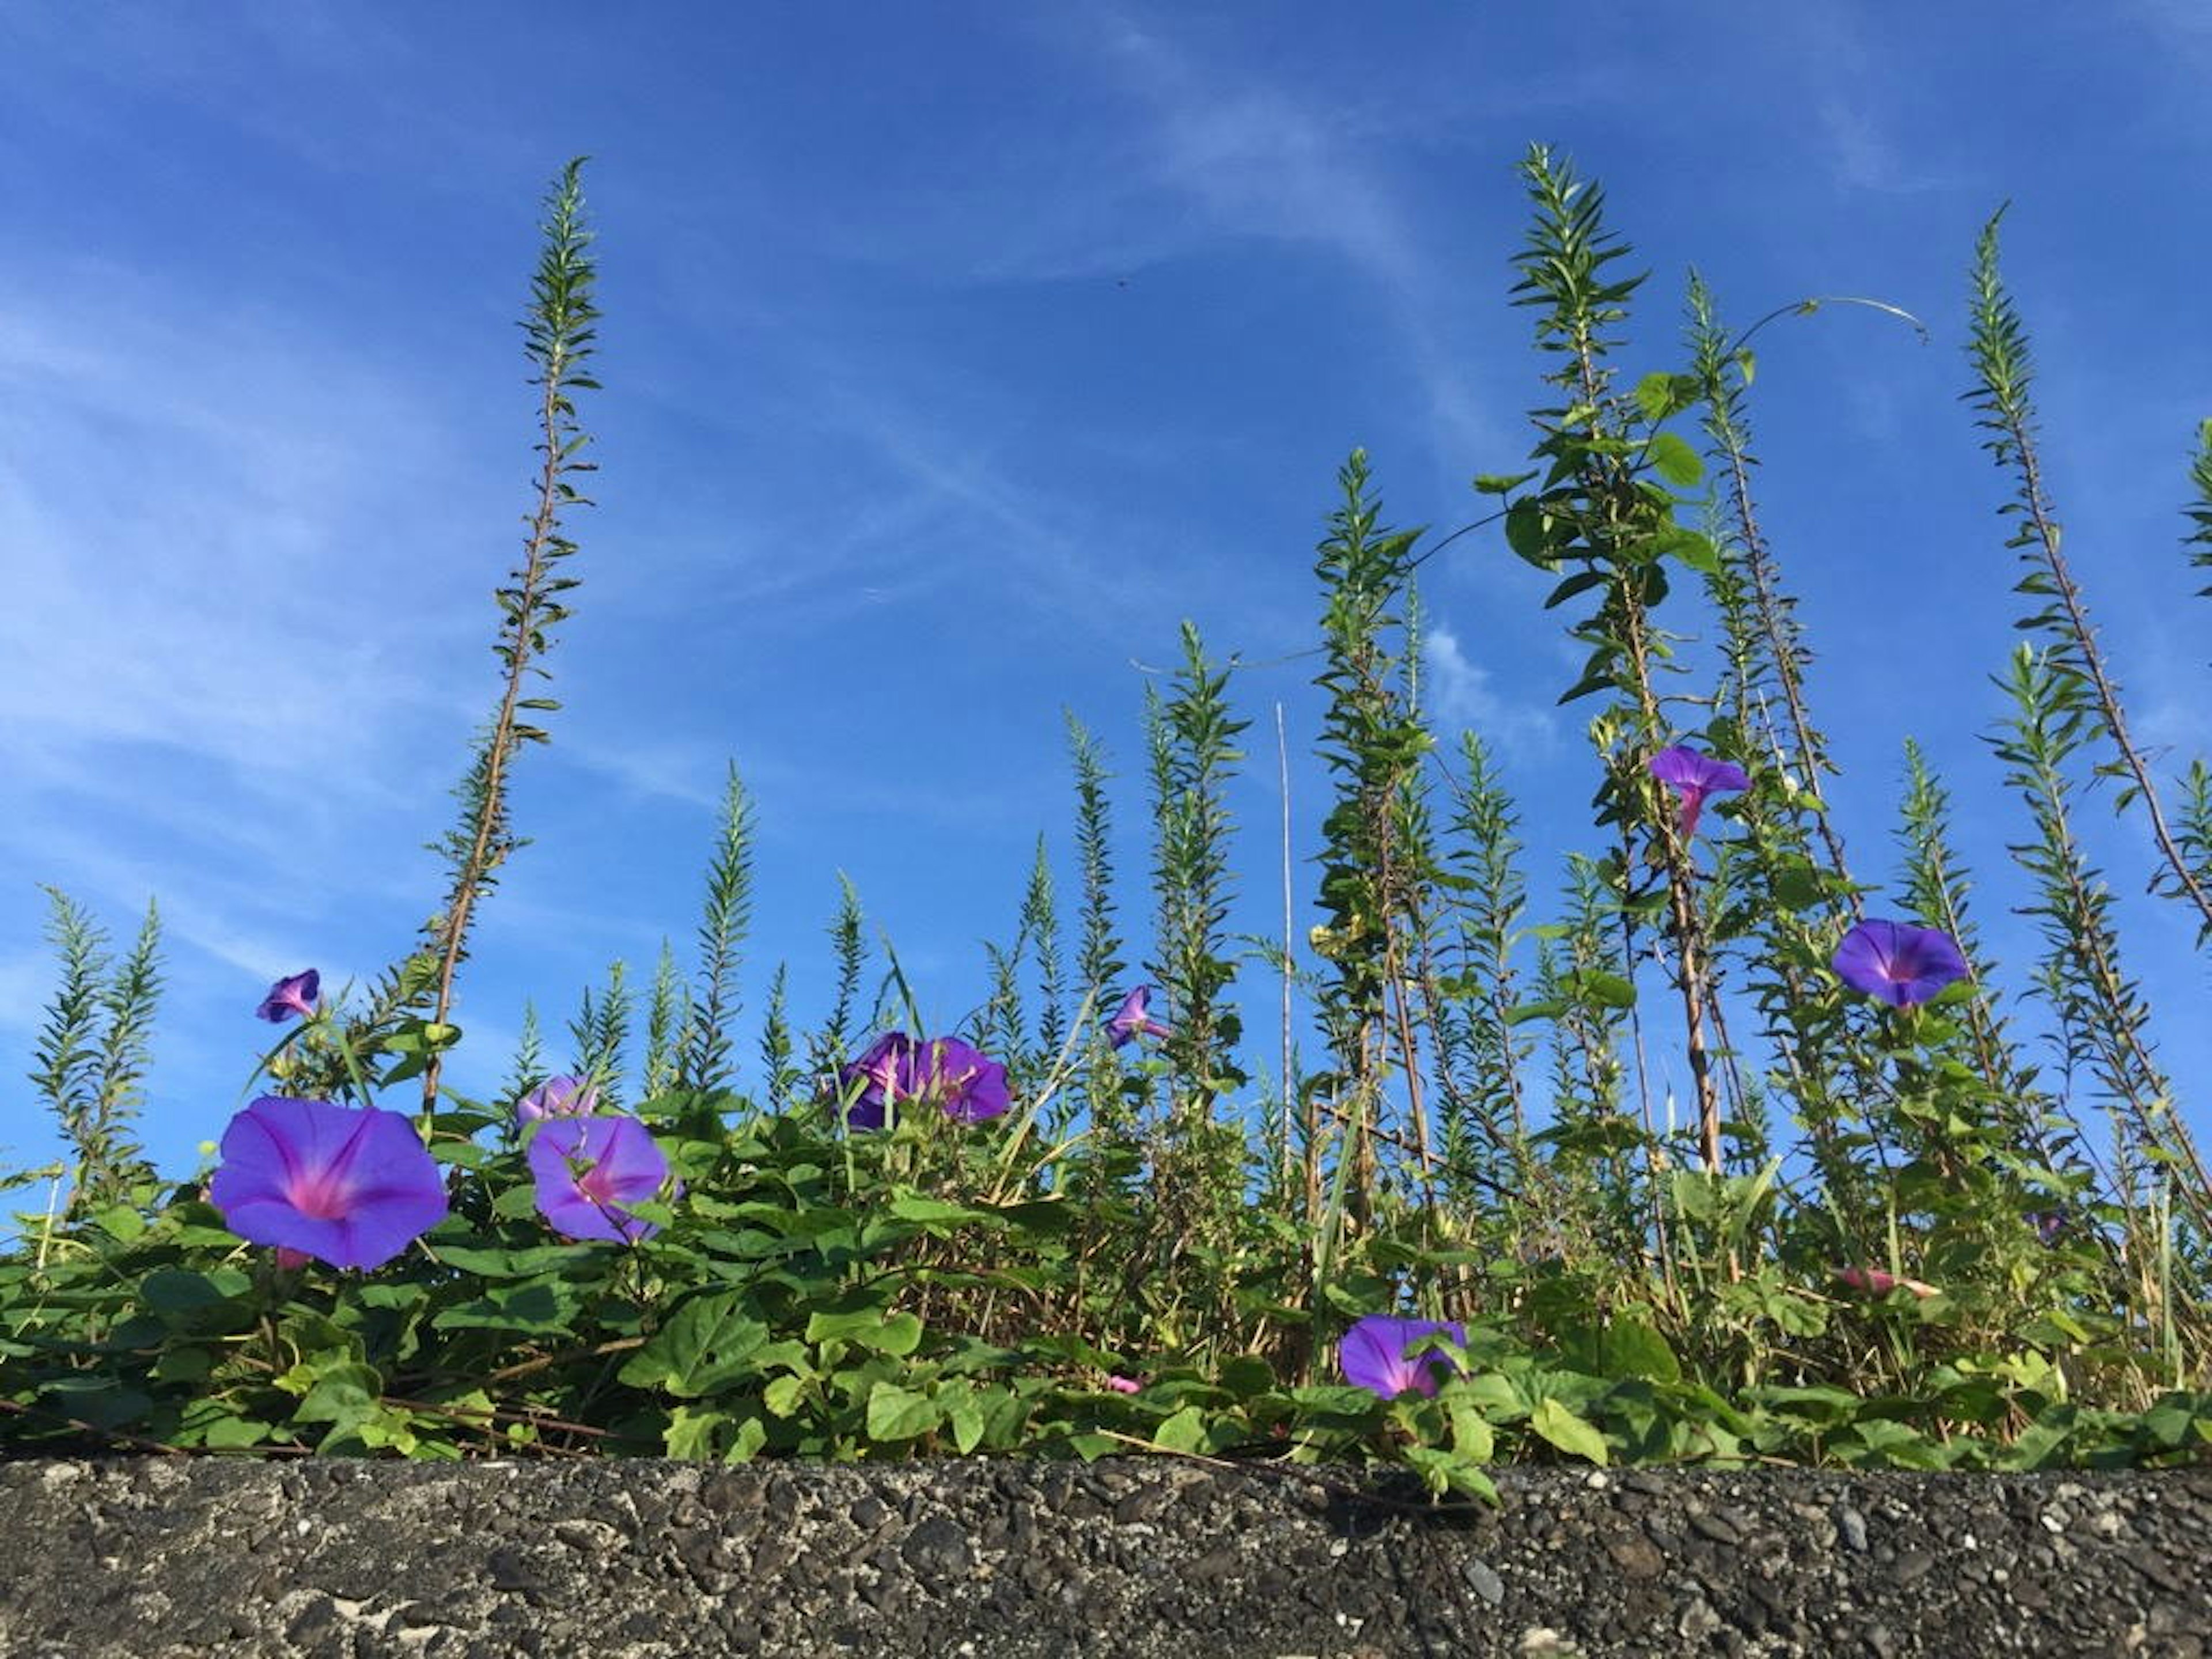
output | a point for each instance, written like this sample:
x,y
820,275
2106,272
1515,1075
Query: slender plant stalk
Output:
x,y
558,335
1608,519
2102,1018
704,1062
2004,373
1723,376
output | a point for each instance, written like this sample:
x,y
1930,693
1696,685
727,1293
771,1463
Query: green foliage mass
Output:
x,y
1865,1235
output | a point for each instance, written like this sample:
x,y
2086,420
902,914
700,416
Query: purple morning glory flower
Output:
x,y
588,1168
1130,1020
882,1071
1877,1282
971,1086
348,1185
1373,1354
1694,776
1902,964
557,1096
967,1085
288,997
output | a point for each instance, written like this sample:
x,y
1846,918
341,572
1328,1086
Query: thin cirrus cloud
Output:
x,y
190,536
1258,159
195,506
1460,693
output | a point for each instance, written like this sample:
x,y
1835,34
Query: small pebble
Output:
x,y
1852,1525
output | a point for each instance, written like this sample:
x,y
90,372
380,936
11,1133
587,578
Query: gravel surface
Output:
x,y
156,1557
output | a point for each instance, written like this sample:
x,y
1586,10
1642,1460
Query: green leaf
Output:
x,y
898,1334
693,1434
513,1264
1630,1348
1248,1376
178,1294
964,1415
710,1341
782,1396
1183,1433
102,1401
1522,1013
1472,1437
1581,582
1661,394
544,1307
897,1413
1576,1435
1696,551
1443,1471
1500,483
1528,534
1677,462
230,1433
933,1211
342,1396
120,1222
1605,990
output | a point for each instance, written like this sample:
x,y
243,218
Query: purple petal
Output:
x,y
986,1096
351,1186
1130,1018
886,1069
1684,768
1133,1019
866,1114
589,1170
1902,964
1693,803
557,1096
1373,1354
949,1062
1696,776
288,997
969,1085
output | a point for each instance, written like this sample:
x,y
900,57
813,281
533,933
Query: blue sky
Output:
x,y
952,355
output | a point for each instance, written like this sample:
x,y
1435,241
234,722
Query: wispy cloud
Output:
x,y
1866,153
27,979
1258,160
1460,693
232,562
196,531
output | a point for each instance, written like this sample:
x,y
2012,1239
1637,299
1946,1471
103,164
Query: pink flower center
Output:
x,y
597,1183
321,1194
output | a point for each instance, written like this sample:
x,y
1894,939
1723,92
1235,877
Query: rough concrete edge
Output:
x,y
1136,1557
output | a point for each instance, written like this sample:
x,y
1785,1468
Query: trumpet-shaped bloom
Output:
x,y
967,1086
1131,1019
557,1096
1879,1281
288,997
881,1072
1902,964
1124,1385
590,1169
1373,1354
348,1185
1693,777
